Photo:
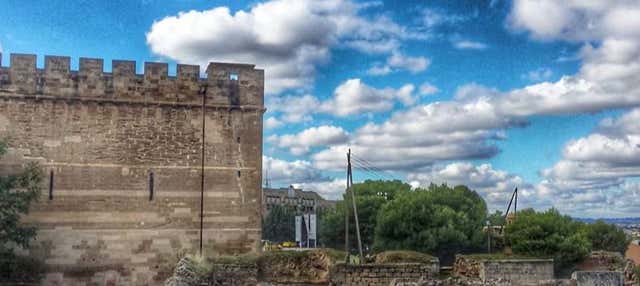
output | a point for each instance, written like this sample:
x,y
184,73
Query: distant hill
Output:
x,y
620,221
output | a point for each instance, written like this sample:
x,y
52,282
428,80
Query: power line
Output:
x,y
379,174
369,171
370,167
370,164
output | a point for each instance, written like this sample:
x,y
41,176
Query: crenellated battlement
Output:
x,y
232,85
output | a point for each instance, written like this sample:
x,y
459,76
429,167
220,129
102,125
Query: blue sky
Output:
x,y
492,94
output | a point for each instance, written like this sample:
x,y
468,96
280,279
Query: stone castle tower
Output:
x,y
125,156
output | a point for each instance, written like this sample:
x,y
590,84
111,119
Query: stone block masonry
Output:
x,y
383,274
598,278
517,271
122,155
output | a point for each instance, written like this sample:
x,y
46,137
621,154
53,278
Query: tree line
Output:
x,y
443,221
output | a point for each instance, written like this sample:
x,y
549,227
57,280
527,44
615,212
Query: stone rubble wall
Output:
x,y
518,271
286,267
381,274
467,267
463,281
123,153
234,275
400,274
598,278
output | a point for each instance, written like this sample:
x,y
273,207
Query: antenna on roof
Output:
x,y
267,181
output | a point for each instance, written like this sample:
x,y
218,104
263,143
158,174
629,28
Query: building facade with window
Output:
x,y
304,201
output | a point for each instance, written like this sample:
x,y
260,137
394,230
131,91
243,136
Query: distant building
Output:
x,y
305,201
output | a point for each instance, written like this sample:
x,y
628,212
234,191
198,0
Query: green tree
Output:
x,y
548,234
379,188
279,224
496,218
331,227
604,236
439,220
370,197
18,189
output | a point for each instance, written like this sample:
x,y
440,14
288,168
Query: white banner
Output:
x,y
306,222
312,226
298,228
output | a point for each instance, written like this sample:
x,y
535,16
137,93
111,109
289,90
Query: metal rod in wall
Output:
x,y
151,186
51,185
204,99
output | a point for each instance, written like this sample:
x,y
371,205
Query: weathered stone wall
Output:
x,y
467,266
123,154
291,266
598,278
382,274
518,271
234,275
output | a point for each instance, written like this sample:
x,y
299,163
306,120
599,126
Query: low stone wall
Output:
x,y
610,261
518,271
382,274
234,275
295,267
189,273
597,278
467,266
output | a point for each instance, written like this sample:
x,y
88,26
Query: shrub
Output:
x,y
17,191
403,256
548,234
439,220
604,236
19,269
370,197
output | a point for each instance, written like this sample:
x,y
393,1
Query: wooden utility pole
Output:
x,y
346,220
353,201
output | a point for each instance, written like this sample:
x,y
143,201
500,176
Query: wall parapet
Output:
x,y
227,84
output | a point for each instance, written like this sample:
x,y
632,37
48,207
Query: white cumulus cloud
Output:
x,y
301,174
424,134
354,97
397,62
272,123
331,190
288,38
428,89
294,108
495,186
286,172
301,143
539,74
600,166
469,45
